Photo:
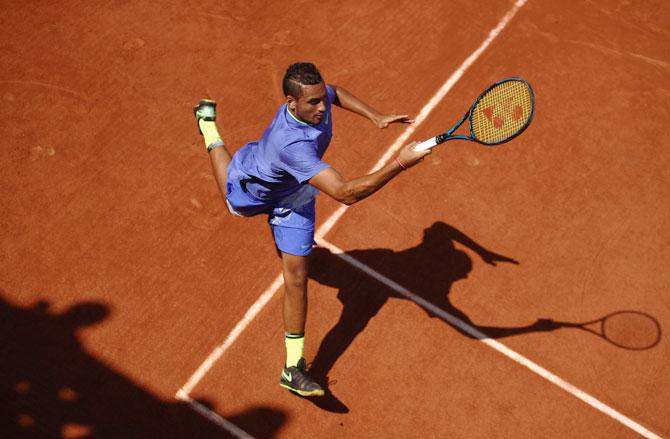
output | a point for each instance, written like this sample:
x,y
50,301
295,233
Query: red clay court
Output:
x,y
133,305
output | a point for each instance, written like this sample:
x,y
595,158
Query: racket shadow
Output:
x,y
626,329
428,270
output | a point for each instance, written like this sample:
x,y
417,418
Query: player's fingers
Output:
x,y
425,152
410,147
403,118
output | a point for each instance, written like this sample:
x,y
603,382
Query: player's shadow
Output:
x,y
428,270
50,386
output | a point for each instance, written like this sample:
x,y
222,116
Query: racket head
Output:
x,y
502,111
633,330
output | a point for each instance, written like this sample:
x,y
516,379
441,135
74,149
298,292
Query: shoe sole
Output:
x,y
319,392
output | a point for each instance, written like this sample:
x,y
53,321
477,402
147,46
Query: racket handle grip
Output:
x,y
426,144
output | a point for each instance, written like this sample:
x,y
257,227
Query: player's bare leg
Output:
x,y
220,158
295,292
205,116
294,376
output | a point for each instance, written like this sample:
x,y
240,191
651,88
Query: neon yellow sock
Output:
x,y
209,131
295,346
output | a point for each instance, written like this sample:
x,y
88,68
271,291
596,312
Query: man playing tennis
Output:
x,y
280,175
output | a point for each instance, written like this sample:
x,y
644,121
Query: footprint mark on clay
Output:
x,y
134,44
38,152
281,38
196,203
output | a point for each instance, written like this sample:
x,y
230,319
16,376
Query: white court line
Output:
x,y
214,417
237,330
501,348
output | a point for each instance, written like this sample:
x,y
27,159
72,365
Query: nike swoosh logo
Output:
x,y
286,375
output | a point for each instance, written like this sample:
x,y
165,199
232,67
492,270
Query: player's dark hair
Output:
x,y
299,74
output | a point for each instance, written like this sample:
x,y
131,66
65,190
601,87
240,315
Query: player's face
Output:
x,y
311,106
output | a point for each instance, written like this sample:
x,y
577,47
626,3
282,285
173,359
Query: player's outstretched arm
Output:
x,y
331,182
487,256
350,102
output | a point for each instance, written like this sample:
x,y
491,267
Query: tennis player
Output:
x,y
280,175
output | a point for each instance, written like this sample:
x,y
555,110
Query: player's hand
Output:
x,y
546,325
384,120
492,258
409,157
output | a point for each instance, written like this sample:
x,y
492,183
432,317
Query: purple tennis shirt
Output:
x,y
274,171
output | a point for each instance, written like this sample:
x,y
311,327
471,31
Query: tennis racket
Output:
x,y
499,114
632,330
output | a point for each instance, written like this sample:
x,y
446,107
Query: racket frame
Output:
x,y
448,135
602,333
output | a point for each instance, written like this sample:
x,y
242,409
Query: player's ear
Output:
x,y
291,102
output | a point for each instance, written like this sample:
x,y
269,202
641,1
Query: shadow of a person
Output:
x,y
428,270
51,386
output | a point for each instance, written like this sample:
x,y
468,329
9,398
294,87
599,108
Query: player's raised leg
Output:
x,y
294,375
205,116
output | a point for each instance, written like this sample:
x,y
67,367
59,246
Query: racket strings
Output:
x,y
502,112
631,330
